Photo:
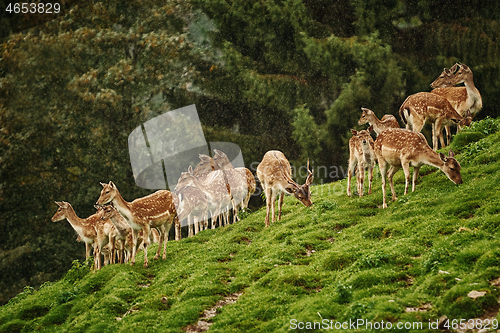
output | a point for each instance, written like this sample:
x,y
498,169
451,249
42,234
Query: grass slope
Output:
x,y
344,259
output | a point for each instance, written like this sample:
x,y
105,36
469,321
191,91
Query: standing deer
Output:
x,y
462,99
402,148
124,238
425,107
361,154
92,230
387,121
156,210
274,173
240,179
213,186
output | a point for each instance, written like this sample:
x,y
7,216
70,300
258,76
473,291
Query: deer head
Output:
x,y
445,79
108,193
301,192
206,165
463,73
451,167
221,160
61,214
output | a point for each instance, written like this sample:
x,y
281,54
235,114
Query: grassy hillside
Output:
x,y
344,259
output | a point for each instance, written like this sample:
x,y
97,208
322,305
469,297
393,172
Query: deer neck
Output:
x,y
432,159
84,229
473,94
120,225
123,207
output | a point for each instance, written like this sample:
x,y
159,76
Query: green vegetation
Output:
x,y
344,258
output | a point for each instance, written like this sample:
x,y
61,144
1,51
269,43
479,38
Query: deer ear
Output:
x,y
111,184
60,204
103,184
190,170
354,132
451,153
456,121
290,189
443,157
370,128
97,207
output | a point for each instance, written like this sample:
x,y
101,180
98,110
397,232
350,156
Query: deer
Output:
x,y
274,173
240,179
387,121
207,174
462,99
424,107
445,79
361,154
402,148
156,210
214,187
124,238
193,205
92,230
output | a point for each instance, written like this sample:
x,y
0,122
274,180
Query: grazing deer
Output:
x,y
156,210
274,173
462,99
361,154
425,107
387,121
240,179
92,230
402,148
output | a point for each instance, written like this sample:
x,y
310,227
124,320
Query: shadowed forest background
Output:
x,y
289,75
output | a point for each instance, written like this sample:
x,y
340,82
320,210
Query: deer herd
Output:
x,y
214,191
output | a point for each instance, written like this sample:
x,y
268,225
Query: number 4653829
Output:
x,y
40,8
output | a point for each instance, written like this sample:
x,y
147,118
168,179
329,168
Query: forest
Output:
x,y
290,75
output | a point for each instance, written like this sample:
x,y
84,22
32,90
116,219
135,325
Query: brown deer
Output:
x,y
124,239
274,173
402,148
361,154
421,108
215,182
214,187
445,79
240,179
387,121
193,205
156,210
92,230
462,99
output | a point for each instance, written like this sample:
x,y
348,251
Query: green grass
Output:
x,y
345,258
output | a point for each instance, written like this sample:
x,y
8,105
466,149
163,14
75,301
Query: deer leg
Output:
x,y
177,224
280,203
166,231
415,176
360,177
390,174
406,170
135,238
88,247
447,130
370,179
383,167
268,206
146,230
161,231
439,132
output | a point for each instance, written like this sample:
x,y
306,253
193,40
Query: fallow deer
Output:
x,y
361,154
193,205
240,179
124,233
425,107
462,99
92,230
214,187
387,121
214,181
445,79
402,148
156,210
274,173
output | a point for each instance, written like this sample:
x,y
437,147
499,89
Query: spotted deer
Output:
x,y
193,205
156,210
92,230
214,181
240,179
274,173
402,148
462,99
124,238
387,121
361,155
424,107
